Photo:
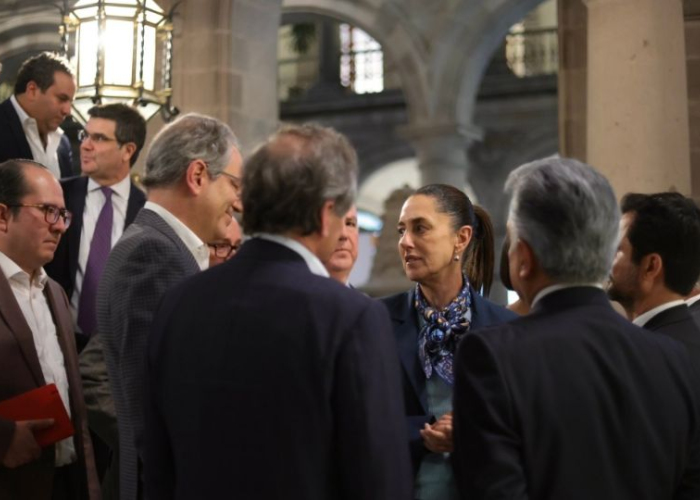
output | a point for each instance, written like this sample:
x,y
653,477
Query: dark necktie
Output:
x,y
97,258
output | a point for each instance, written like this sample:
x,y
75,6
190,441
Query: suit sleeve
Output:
x,y
373,458
486,459
99,404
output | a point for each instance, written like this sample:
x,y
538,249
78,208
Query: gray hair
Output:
x,y
190,137
288,179
567,212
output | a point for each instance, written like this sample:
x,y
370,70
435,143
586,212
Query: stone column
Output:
x,y
441,151
637,124
223,64
692,46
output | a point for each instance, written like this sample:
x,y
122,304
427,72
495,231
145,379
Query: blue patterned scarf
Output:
x,y
442,331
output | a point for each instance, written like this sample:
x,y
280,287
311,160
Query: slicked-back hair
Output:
x,y
667,224
190,137
130,125
13,183
288,179
567,212
478,257
40,69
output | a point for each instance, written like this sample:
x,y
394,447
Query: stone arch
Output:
x,y
387,27
464,52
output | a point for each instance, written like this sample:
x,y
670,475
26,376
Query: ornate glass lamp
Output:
x,y
122,52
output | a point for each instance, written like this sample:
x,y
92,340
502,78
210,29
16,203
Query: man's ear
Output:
x,y
326,212
196,176
651,271
5,214
526,263
32,89
128,150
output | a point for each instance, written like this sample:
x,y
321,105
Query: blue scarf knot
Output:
x,y
442,331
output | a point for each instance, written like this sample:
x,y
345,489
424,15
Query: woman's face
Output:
x,y
427,242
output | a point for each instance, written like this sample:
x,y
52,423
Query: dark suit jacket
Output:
x,y
14,144
405,322
147,261
64,266
678,323
575,402
21,372
266,381
694,310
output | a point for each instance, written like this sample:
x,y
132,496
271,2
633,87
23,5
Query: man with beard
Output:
x,y
656,265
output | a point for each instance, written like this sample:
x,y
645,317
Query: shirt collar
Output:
x,y
12,271
559,286
25,119
315,265
199,249
692,300
121,188
643,319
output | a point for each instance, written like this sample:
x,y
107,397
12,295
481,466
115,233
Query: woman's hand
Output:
x,y
437,437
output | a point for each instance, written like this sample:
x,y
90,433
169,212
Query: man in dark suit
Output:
x,y
192,177
572,401
657,265
110,145
289,388
30,120
36,341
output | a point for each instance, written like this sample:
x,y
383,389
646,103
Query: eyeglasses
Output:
x,y
51,213
236,181
223,250
97,138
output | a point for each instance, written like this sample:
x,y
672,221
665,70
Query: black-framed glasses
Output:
x,y
223,250
97,138
51,212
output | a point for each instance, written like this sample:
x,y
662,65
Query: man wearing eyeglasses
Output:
x,y
36,341
224,249
104,201
30,119
192,177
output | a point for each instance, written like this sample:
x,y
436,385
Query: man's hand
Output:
x,y
23,447
438,436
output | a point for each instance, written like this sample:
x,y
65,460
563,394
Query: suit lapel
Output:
x,y
407,342
669,316
16,129
12,314
151,219
136,201
75,202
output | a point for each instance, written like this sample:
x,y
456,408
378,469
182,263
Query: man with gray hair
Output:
x,y
192,176
572,401
290,387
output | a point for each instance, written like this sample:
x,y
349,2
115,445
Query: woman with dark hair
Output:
x,y
438,229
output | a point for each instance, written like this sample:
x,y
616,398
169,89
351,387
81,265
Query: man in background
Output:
x,y
192,178
343,258
103,201
657,264
30,119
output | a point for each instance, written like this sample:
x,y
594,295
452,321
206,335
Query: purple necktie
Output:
x,y
97,258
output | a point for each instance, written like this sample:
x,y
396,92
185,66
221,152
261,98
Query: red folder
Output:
x,y
44,402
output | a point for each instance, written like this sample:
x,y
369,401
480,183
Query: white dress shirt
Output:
x,y
47,157
643,319
315,265
199,249
692,300
94,201
29,293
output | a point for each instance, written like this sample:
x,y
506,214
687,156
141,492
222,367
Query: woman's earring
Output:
x,y
456,258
